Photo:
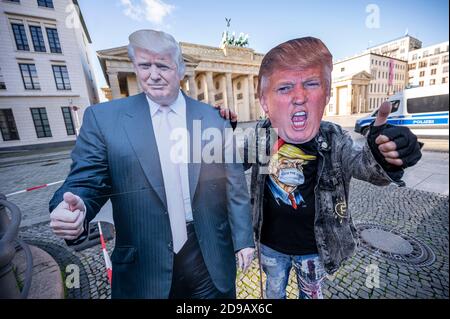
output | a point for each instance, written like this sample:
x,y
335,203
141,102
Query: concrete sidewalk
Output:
x,y
431,174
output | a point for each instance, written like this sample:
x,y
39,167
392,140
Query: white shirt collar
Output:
x,y
178,107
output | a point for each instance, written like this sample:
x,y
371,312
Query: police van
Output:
x,y
423,109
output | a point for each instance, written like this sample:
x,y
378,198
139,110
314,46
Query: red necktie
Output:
x,y
293,202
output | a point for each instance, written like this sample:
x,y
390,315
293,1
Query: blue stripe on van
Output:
x,y
423,122
411,120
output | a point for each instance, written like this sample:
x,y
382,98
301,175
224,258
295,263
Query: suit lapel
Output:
x,y
193,122
140,132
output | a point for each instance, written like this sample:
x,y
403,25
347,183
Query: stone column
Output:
x,y
192,87
210,87
230,96
251,97
366,98
132,85
114,85
348,108
183,85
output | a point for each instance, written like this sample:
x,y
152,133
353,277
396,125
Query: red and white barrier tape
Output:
x,y
108,263
34,188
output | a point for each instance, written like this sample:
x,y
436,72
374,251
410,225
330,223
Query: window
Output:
x,y
425,54
433,72
422,73
61,77
68,120
437,50
421,83
412,66
432,82
445,69
45,3
342,69
8,125
41,123
423,64
445,80
434,61
2,81
29,76
53,40
445,59
38,39
395,105
436,103
20,36
414,57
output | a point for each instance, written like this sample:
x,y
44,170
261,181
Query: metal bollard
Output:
x,y
9,230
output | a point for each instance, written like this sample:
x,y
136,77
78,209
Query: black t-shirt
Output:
x,y
286,229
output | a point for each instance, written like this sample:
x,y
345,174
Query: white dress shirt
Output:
x,y
177,119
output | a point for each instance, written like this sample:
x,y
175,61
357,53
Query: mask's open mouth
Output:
x,y
299,120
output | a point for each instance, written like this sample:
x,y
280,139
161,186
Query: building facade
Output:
x,y
361,83
224,76
428,66
398,48
46,76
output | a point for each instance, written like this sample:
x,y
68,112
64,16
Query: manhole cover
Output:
x,y
393,245
387,241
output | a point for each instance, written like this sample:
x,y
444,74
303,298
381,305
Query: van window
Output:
x,y
437,103
395,105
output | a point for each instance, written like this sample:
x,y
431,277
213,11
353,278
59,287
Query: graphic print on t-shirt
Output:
x,y
286,173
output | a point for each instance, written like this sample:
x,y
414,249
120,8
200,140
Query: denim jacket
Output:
x,y
339,160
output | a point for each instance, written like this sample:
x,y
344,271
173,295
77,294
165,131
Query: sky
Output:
x,y
347,27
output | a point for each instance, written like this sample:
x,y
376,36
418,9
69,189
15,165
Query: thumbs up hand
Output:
x,y
67,219
383,114
387,147
394,147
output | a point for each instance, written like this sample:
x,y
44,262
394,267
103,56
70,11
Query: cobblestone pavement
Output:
x,y
418,214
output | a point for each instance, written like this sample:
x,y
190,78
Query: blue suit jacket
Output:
x,y
116,157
